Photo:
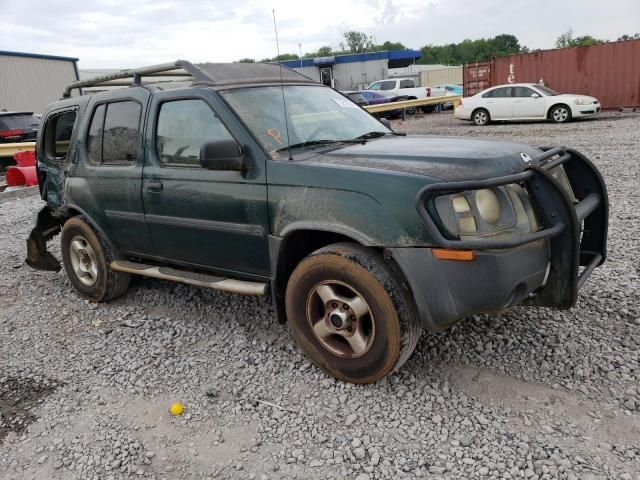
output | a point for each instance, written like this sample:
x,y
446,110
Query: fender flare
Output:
x,y
95,225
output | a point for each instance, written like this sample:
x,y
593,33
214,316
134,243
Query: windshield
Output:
x,y
314,113
547,90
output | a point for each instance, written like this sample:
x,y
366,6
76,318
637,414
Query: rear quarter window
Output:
x,y
57,134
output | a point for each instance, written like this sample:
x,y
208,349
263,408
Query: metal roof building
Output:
x,y
353,71
29,81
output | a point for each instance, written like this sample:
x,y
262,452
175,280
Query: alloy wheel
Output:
x,y
340,319
83,260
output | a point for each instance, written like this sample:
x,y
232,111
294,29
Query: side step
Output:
x,y
192,278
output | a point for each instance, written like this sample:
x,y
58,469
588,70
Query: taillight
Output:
x,y
11,133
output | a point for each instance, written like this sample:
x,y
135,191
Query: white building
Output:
x,y
29,82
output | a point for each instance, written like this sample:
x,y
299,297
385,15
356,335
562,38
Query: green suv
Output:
x,y
254,179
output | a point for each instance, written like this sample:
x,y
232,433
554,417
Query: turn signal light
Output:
x,y
460,255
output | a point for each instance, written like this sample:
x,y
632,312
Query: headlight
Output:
x,y
582,101
486,212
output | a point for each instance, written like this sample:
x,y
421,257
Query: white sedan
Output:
x,y
525,101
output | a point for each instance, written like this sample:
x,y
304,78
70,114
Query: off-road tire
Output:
x,y
397,327
481,117
556,116
109,283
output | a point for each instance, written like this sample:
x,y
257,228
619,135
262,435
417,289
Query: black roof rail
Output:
x,y
177,69
218,75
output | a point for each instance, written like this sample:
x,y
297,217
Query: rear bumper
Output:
x,y
462,114
546,263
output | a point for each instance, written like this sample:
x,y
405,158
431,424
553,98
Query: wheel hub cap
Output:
x,y
83,260
340,319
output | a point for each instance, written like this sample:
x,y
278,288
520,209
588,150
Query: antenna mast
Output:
x,y
284,103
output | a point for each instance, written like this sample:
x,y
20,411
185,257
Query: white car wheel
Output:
x,y
560,114
481,117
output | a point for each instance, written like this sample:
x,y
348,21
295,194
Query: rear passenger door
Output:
x,y
499,102
107,179
214,219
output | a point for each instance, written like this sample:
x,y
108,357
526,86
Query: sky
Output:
x,y
125,34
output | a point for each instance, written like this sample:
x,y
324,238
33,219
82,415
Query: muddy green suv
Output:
x,y
254,179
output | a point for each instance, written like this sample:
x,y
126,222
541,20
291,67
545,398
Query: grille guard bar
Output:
x,y
571,246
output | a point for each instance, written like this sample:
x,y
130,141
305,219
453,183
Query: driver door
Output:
x,y
205,218
527,106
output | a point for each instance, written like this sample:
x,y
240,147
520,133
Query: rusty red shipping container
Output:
x,y
609,72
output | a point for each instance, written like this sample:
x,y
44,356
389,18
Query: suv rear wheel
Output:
x,y
86,258
350,314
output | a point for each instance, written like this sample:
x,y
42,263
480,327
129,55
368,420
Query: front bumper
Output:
x,y
507,271
586,110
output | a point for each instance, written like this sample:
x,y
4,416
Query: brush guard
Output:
x,y
577,233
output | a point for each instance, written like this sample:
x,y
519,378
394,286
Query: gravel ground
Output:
x,y
535,394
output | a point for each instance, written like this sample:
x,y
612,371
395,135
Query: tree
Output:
x,y
358,42
324,51
469,51
567,40
246,60
626,38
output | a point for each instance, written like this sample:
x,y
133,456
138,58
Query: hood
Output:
x,y
446,158
570,97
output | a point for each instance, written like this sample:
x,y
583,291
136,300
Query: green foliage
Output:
x,y
358,42
625,37
246,60
469,51
567,40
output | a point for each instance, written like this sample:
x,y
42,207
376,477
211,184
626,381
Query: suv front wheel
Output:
x,y
87,259
350,314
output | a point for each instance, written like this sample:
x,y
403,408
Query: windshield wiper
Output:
x,y
311,143
376,134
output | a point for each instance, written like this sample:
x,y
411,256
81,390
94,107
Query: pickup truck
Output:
x,y
401,86
255,179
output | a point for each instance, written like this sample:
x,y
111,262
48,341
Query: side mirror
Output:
x,y
535,95
222,155
386,123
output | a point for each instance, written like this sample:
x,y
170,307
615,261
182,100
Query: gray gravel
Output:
x,y
534,394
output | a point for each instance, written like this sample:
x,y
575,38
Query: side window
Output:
x,y
502,92
94,136
406,84
388,85
375,86
57,135
183,127
120,137
523,92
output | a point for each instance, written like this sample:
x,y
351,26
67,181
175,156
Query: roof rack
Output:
x,y
179,69
217,75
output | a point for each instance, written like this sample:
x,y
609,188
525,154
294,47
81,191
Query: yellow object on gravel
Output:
x,y
176,409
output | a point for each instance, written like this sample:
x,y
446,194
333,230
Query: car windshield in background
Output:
x,y
547,90
19,121
315,116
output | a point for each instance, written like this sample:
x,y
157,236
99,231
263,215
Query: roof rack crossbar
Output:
x,y
176,69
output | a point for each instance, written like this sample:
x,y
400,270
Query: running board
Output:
x,y
191,278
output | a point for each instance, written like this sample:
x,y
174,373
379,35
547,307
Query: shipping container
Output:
x,y
442,76
609,72
476,77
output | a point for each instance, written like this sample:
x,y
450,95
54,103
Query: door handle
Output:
x,y
154,186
